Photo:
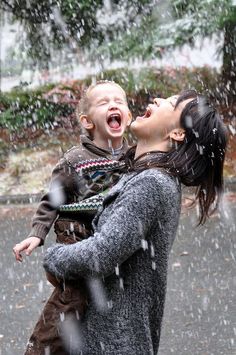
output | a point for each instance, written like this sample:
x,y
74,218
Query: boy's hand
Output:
x,y
27,245
52,279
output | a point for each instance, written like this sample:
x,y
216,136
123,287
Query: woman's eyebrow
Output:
x,y
172,104
174,100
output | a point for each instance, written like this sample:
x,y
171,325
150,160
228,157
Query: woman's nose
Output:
x,y
157,101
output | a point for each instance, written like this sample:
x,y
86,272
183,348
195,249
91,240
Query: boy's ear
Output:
x,y
85,122
177,134
130,118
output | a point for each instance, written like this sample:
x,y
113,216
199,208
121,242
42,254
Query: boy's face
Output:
x,y
108,111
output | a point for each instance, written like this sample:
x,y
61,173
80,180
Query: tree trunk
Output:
x,y
229,62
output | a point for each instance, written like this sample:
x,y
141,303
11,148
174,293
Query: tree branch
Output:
x,y
8,5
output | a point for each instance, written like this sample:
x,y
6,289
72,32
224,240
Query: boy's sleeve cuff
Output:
x,y
40,231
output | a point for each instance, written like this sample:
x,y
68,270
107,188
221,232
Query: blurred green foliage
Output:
x,y
54,25
22,109
51,105
96,30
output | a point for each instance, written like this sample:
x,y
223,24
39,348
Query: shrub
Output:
x,y
24,109
51,106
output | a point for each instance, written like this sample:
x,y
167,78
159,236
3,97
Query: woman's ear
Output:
x,y
86,123
177,134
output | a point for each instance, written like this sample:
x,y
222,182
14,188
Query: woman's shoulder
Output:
x,y
155,179
159,174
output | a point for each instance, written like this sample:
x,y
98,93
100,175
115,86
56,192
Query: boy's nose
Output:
x,y
112,105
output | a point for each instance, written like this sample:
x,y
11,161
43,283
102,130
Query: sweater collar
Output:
x,y
88,143
143,161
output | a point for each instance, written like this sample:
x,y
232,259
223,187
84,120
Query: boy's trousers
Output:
x,y
67,302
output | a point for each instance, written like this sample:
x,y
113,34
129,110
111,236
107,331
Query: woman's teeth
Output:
x,y
148,113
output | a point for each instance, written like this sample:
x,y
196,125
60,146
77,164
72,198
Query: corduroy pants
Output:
x,y
67,302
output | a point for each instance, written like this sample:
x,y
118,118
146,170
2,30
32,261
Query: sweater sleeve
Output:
x,y
59,192
122,234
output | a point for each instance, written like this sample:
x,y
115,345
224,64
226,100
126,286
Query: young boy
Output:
x,y
104,114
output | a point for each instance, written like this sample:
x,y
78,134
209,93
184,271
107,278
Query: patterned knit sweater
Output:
x,y
74,179
126,263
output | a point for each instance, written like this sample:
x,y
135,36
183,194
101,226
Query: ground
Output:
x,y
199,313
26,168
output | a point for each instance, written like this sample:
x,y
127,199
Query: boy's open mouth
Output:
x,y
114,120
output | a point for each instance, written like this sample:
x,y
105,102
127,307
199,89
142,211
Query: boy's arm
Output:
x,y
27,245
61,186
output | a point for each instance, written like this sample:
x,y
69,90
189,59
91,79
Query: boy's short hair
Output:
x,y
83,105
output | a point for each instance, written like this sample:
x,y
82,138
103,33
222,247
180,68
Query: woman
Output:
x,y
179,140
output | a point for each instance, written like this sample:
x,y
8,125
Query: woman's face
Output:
x,y
159,120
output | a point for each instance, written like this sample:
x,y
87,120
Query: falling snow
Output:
x,y
201,286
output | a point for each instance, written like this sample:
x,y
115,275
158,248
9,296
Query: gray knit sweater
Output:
x,y
126,262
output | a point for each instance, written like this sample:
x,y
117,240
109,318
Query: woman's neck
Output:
x,y
143,147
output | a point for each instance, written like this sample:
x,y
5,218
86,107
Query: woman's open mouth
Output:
x,y
146,114
114,121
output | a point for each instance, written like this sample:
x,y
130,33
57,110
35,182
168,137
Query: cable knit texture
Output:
x,y
125,263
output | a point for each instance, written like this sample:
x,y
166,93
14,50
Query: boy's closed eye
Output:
x,y
104,102
120,101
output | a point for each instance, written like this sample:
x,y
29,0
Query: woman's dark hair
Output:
x,y
199,160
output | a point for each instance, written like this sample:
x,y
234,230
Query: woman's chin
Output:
x,y
137,129
132,128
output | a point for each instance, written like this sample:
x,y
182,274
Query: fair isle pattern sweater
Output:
x,y
128,253
72,179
